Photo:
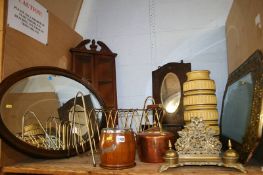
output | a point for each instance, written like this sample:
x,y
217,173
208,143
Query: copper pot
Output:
x,y
117,148
152,145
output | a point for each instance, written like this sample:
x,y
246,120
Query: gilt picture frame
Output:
x,y
241,116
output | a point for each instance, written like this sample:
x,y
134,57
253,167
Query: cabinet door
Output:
x,y
82,65
105,79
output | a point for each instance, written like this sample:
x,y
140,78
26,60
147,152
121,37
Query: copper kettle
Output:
x,y
153,143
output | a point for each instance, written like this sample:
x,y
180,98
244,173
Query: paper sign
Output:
x,y
28,17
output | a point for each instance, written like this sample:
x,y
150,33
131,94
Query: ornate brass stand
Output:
x,y
237,166
198,146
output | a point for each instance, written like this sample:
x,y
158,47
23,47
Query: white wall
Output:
x,y
150,33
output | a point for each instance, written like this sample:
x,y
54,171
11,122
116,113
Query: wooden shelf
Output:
x,y
82,165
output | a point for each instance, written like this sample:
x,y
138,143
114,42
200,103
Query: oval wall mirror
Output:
x,y
170,92
242,112
47,112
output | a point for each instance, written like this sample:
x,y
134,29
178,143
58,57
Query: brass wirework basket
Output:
x,y
83,126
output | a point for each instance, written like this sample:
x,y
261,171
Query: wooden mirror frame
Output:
x,y
175,122
22,146
253,65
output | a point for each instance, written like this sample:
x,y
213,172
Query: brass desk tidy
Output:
x,y
198,146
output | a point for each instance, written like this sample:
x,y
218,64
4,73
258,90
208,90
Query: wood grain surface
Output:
x,y
2,19
116,153
82,165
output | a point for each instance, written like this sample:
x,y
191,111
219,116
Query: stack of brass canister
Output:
x,y
200,99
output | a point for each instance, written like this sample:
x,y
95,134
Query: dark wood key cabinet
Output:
x,y
96,64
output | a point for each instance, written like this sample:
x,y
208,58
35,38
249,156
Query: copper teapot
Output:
x,y
153,143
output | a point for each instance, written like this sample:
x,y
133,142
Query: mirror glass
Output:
x,y
50,111
241,115
170,92
237,108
